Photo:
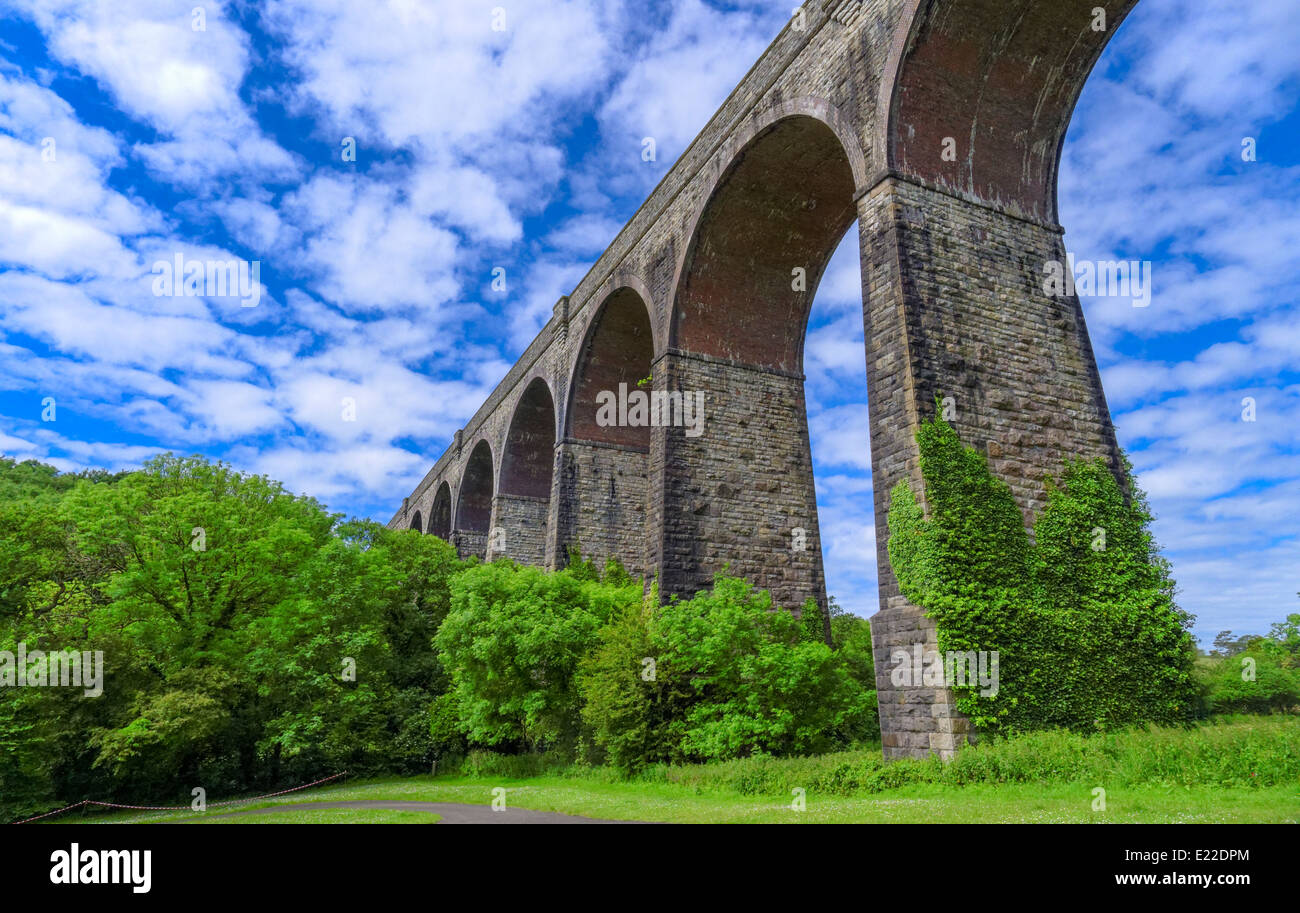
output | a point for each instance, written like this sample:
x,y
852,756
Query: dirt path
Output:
x,y
451,812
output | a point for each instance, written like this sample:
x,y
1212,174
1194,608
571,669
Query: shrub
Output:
x,y
731,678
1256,680
512,642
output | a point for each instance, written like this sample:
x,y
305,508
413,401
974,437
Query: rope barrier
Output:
x,y
180,808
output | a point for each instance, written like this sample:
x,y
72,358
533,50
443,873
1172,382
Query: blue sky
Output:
x,y
521,149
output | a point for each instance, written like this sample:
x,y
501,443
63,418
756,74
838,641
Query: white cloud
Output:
x,y
546,282
439,74
182,81
841,436
367,249
586,234
680,79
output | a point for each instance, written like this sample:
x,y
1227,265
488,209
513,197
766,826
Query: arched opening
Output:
x,y
440,513
615,362
529,453
984,93
605,455
474,506
762,244
524,497
415,522
741,494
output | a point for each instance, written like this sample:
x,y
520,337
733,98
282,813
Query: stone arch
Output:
x,y
783,203
474,504
521,508
528,455
725,157
415,522
603,465
440,513
740,493
999,78
618,348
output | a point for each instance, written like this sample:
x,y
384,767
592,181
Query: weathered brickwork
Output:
x,y
740,495
937,125
519,529
602,509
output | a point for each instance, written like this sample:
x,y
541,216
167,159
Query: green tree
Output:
x,y
512,642
725,675
1259,675
231,615
763,682
633,701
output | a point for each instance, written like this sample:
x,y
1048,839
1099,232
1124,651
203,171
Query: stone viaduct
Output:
x,y
934,125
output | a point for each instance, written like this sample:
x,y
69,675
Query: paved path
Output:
x,y
451,812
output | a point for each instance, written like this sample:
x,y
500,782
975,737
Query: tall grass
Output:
x,y
1236,752
1232,752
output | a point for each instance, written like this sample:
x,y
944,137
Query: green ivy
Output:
x,y
1082,617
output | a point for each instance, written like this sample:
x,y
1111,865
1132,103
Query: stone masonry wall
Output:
x,y
734,496
603,506
954,307
518,529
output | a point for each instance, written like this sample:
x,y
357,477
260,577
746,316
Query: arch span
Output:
x,y
529,452
603,459
614,359
992,83
474,505
740,493
522,505
761,244
440,513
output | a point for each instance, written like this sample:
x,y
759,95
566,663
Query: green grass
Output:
x,y
1243,769
923,803
1246,752
328,816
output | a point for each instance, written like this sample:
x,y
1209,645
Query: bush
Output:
x,y
512,642
1256,680
633,705
731,678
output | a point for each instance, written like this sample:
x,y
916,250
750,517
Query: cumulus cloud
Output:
x,y
166,67
519,147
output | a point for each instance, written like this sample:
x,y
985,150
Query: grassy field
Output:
x,y
919,804
330,816
1236,770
